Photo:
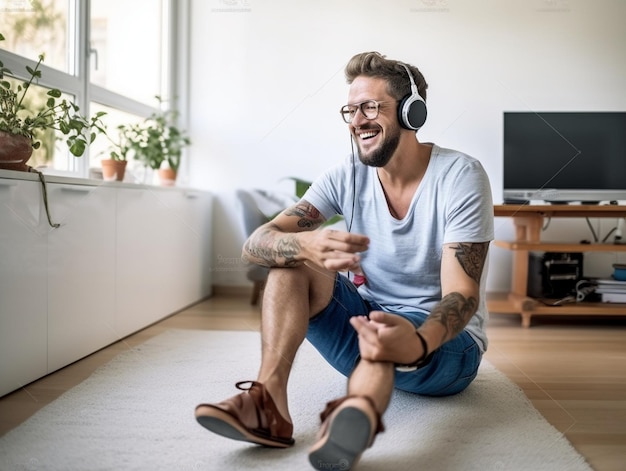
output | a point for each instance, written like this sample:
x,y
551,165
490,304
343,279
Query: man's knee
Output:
x,y
315,282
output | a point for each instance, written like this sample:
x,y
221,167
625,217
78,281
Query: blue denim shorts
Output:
x,y
452,368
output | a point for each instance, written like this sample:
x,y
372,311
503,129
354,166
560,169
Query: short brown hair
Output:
x,y
374,64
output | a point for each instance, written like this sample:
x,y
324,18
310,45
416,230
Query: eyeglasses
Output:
x,y
369,109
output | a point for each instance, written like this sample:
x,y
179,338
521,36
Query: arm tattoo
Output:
x,y
472,257
309,216
454,312
272,247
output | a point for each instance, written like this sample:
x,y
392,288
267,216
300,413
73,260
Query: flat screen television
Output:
x,y
564,157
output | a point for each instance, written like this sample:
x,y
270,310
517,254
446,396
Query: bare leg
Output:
x,y
292,296
261,414
374,380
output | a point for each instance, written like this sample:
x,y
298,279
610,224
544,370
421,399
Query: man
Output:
x,y
419,220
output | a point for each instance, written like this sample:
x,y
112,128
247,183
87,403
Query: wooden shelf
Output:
x,y
560,210
528,221
509,303
559,246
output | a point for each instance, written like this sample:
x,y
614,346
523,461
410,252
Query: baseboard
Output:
x,y
232,291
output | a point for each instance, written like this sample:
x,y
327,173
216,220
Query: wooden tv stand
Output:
x,y
528,221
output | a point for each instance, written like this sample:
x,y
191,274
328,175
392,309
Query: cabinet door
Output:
x,y
81,272
146,248
23,258
191,237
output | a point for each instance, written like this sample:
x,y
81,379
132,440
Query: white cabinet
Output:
x,y
125,256
23,284
162,254
81,272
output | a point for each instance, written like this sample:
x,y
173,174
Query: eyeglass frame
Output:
x,y
345,113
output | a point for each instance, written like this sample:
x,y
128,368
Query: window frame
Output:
x,y
77,82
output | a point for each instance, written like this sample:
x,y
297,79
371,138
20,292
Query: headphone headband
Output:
x,y
413,86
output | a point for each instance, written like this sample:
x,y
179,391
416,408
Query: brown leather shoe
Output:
x,y
250,416
345,434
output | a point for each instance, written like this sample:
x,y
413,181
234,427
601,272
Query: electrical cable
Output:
x,y
609,234
595,236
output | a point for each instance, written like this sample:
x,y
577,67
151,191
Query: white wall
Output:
x,y
267,82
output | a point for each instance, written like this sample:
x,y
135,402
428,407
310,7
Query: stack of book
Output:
x,y
611,291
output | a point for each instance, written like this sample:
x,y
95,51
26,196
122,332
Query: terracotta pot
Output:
x,y
15,150
167,176
113,170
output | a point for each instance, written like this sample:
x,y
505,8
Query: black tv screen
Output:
x,y
565,156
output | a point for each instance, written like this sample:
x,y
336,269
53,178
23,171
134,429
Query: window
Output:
x,y
125,60
95,54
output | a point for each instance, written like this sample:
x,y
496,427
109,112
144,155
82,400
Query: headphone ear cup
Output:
x,y
412,112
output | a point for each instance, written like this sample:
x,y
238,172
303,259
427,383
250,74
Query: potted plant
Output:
x,y
121,150
19,126
159,143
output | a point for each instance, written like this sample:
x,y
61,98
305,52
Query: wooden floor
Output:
x,y
574,371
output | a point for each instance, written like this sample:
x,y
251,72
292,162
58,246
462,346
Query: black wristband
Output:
x,y
421,361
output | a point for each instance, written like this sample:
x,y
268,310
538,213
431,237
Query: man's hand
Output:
x,y
387,337
334,250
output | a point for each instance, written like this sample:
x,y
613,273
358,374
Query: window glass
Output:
x,y
33,27
126,45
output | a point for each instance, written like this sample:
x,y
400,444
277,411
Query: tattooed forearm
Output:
x,y
454,312
472,256
270,246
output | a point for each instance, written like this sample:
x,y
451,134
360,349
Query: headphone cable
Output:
x,y
353,183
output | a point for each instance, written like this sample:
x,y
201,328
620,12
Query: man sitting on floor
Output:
x,y
396,300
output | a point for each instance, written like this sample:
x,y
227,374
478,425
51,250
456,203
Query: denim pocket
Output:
x,y
467,370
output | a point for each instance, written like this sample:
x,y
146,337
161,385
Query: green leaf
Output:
x,y
76,124
50,102
56,93
78,147
301,187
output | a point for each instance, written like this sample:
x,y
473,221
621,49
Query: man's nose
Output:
x,y
358,118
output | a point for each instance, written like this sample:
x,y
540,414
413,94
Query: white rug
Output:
x,y
136,413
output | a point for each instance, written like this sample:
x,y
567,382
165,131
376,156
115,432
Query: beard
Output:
x,y
381,155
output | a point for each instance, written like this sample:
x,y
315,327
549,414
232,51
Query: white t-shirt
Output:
x,y
453,203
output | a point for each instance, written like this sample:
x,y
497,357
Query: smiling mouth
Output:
x,y
365,135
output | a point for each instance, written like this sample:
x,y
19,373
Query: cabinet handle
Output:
x,y
76,189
